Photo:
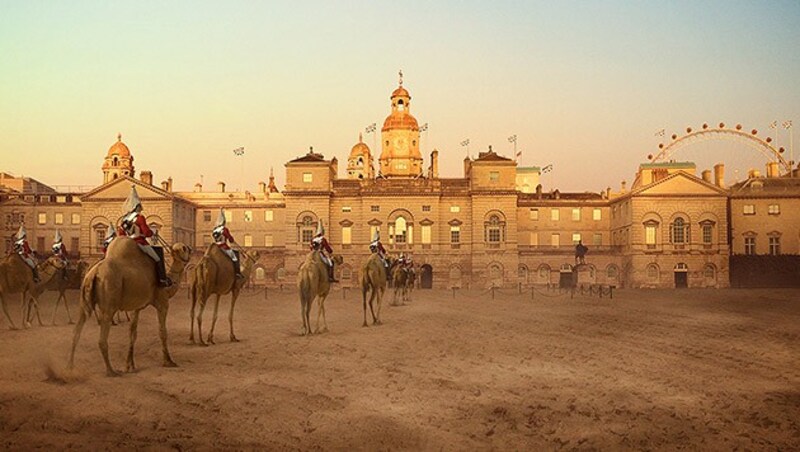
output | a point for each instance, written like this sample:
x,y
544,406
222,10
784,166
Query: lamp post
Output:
x,y
788,126
513,139
465,144
239,152
423,128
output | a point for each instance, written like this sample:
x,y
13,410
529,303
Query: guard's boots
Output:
x,y
36,278
331,278
237,267
161,272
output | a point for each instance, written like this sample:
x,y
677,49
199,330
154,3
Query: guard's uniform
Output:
x,y
222,236
25,252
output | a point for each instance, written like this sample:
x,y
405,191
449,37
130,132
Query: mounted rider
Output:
x,y
320,243
61,251
24,250
135,226
110,236
377,247
222,236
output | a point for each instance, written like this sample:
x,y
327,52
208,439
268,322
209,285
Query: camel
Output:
x,y
16,277
312,282
411,280
215,275
373,280
61,285
126,280
399,278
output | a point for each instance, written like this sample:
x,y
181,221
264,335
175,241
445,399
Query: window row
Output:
x,y
679,232
247,216
555,239
772,209
774,243
555,214
58,218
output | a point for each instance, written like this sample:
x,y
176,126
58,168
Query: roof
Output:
x,y
400,120
400,91
491,156
676,165
119,148
310,157
767,186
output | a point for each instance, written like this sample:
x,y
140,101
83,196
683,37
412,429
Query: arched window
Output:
x,y
455,273
612,272
280,274
116,162
710,273
260,274
400,230
306,228
496,273
544,273
679,231
522,272
494,230
652,273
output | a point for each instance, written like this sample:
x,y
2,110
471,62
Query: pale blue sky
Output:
x,y
584,85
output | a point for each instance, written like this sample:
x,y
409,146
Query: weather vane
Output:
x,y
401,77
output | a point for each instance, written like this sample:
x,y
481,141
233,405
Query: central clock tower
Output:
x,y
400,156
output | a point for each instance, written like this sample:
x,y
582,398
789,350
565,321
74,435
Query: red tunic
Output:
x,y
226,237
144,231
381,248
26,249
324,246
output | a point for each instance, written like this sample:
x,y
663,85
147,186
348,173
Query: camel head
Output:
x,y
55,261
338,259
182,252
252,256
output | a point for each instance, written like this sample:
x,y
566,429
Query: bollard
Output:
x,y
454,292
492,292
601,291
572,292
533,290
611,292
520,288
266,297
344,293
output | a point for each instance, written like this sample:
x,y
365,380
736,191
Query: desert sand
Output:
x,y
696,369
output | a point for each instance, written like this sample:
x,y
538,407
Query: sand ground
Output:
x,y
689,369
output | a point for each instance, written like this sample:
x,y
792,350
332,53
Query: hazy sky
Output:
x,y
584,85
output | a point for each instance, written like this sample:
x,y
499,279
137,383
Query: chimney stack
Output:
x,y
169,184
147,177
165,185
262,187
707,176
198,187
622,186
221,187
719,175
435,164
772,169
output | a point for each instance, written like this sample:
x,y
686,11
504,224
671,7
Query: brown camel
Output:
x,y
312,282
215,275
411,281
59,283
373,280
126,280
16,277
399,278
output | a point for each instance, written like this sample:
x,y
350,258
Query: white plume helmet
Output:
x,y
132,201
376,235
58,238
220,218
320,228
21,233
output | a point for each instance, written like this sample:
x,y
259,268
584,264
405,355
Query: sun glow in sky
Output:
x,y
584,85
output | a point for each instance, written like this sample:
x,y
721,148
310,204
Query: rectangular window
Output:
x,y
207,216
347,209
268,240
426,234
493,235
307,235
494,176
248,240
555,240
708,234
750,245
650,236
308,178
347,235
455,209
269,215
555,214
534,214
248,216
749,209
61,199
597,214
426,208
576,214
774,209
59,218
374,208
597,239
576,237
99,238
774,246
76,218
455,234
228,216
42,218
534,239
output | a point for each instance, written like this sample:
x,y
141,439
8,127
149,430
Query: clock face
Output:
x,y
399,142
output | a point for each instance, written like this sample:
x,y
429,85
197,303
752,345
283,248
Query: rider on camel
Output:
x,y
135,226
61,251
377,247
320,243
25,252
110,235
222,236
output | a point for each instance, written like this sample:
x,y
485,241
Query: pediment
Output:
x,y
121,188
680,183
374,222
455,222
426,222
346,223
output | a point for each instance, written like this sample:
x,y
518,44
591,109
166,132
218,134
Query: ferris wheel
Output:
x,y
708,133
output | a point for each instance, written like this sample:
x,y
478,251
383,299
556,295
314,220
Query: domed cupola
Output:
x,y
359,163
400,155
118,161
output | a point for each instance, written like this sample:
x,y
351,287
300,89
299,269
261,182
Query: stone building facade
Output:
x,y
494,225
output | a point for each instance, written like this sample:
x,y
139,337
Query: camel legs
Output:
x,y
105,328
200,322
5,311
76,335
321,311
234,297
133,333
214,320
163,308
364,298
191,317
305,311
379,297
63,296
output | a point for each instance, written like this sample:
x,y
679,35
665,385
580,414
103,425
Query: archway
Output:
x,y
426,276
681,276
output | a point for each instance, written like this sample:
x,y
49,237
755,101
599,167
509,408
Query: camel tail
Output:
x,y
88,298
